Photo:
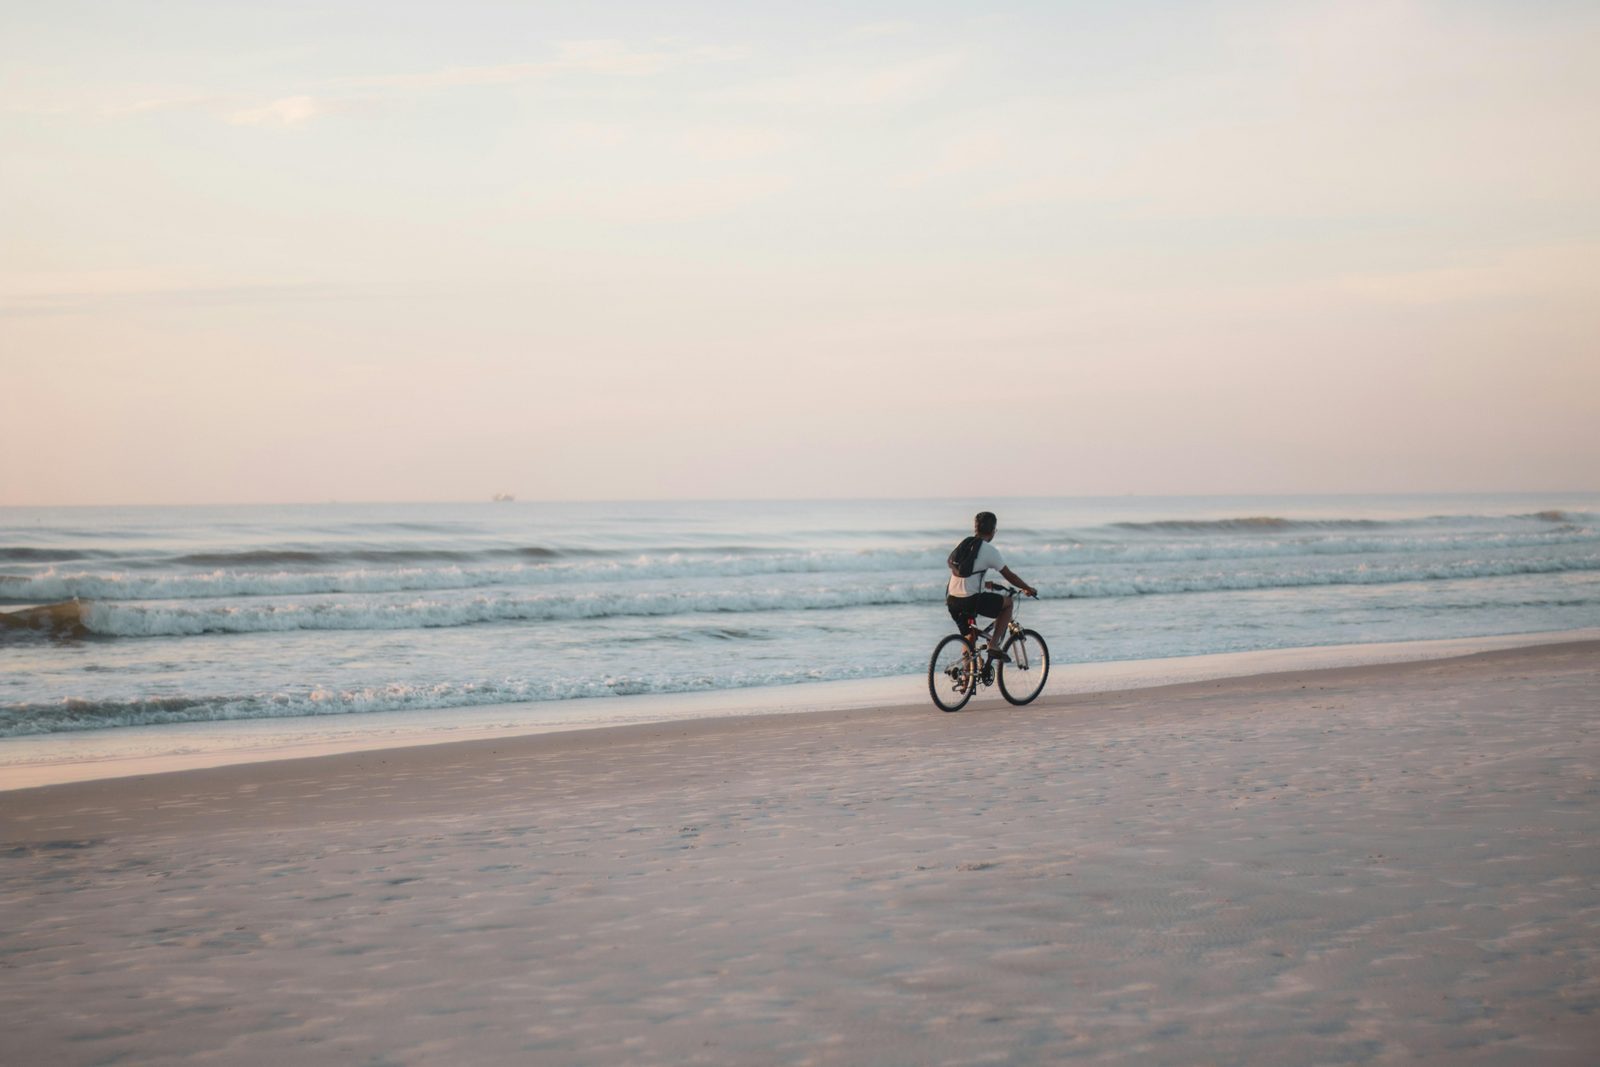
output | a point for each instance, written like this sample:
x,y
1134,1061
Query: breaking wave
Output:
x,y
320,557
71,715
404,612
1248,523
1275,524
57,584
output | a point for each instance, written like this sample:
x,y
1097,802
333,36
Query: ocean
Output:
x,y
113,618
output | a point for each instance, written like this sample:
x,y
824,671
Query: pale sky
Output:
x,y
414,251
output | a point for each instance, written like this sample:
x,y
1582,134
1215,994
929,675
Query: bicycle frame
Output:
x,y
1013,627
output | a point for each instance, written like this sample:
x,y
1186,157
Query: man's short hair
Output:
x,y
983,523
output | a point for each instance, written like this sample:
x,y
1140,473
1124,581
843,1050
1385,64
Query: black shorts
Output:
x,y
963,608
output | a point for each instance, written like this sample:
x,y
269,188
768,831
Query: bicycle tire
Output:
x,y
1028,670
950,680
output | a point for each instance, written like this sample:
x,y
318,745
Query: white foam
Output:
x,y
57,758
57,584
395,612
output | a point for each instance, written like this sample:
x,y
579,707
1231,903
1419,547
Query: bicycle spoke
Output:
x,y
1023,678
950,674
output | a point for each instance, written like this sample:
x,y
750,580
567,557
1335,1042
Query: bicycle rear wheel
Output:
x,y
950,681
1023,678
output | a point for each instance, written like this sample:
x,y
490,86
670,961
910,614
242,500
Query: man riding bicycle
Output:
x,y
965,596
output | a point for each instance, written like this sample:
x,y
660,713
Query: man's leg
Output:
x,y
1001,621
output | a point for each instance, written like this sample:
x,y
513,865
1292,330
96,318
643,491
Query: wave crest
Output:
x,y
61,584
568,603
1247,524
74,715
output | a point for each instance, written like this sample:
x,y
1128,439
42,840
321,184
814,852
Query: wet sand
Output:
x,y
1370,864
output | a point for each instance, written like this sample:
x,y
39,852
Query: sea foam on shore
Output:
x,y
69,757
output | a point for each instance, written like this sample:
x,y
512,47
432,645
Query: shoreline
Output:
x,y
35,761
1371,863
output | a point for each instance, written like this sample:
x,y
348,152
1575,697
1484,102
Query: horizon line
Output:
x,y
334,502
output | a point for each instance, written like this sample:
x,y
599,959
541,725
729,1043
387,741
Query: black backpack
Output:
x,y
965,557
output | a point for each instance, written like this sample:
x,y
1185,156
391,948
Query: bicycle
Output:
x,y
960,661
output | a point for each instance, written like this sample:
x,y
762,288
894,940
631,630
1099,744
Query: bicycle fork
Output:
x,y
1019,648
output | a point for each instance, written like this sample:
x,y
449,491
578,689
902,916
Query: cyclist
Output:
x,y
965,595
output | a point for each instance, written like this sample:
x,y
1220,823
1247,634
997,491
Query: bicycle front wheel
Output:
x,y
1023,678
950,673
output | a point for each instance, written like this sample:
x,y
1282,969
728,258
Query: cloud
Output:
x,y
661,141
723,144
616,59
877,30
599,58
288,111
656,201
837,89
95,291
1569,271
148,104
1324,111
107,102
593,58
588,135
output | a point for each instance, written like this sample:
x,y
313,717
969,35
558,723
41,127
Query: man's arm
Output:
x,y
1011,576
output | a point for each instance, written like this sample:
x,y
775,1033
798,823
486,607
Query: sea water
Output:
x,y
121,617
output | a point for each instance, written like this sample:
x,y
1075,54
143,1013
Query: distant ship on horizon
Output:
x,y
503,498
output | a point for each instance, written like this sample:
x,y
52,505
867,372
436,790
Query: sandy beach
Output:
x,y
1370,864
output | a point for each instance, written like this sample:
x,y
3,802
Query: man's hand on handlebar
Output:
x,y
998,588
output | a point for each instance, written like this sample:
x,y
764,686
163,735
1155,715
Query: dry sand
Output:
x,y
1375,864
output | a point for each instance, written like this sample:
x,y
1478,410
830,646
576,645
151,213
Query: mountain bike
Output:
x,y
960,661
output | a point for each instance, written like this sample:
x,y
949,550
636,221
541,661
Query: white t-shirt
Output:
x,y
988,559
